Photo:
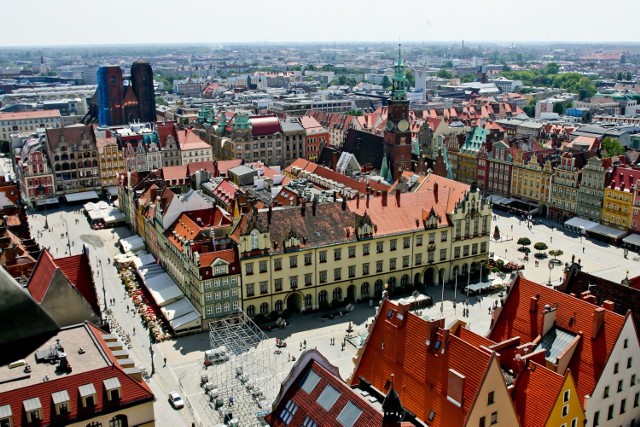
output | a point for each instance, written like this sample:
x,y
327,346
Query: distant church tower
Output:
x,y
397,134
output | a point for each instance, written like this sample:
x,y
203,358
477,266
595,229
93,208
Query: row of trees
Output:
x,y
539,246
549,76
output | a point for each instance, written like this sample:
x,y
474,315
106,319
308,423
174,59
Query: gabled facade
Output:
x,y
617,206
564,189
591,190
112,163
531,181
499,163
34,172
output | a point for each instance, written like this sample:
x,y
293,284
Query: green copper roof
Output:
x,y
399,80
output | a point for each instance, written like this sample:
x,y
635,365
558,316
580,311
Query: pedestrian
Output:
x,y
134,330
583,249
300,346
127,308
305,344
230,400
165,361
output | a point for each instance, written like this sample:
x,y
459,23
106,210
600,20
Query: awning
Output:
x,y
112,191
609,232
114,216
632,239
177,309
478,286
49,201
188,321
580,224
132,244
79,197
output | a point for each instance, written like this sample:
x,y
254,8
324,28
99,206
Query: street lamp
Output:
x,y
442,298
104,292
153,366
505,254
550,268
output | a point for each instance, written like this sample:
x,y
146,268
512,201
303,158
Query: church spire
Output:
x,y
400,82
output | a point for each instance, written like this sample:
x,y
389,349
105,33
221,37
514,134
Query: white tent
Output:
x,y
84,195
580,224
188,321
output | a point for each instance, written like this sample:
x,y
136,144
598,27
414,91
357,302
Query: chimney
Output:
x,y
269,213
304,207
435,191
589,297
367,200
598,321
216,171
344,203
398,197
613,184
358,201
384,198
608,305
549,319
533,304
335,197
314,203
186,132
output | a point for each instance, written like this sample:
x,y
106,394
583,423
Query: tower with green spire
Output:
x,y
397,135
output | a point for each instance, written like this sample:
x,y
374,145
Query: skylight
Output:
x,y
328,397
310,382
555,342
349,414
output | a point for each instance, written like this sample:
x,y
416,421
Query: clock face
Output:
x,y
390,125
403,125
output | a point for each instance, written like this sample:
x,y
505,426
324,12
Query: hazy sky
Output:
x,y
62,22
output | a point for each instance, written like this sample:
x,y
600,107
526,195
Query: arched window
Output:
x,y
322,296
378,287
278,306
226,307
264,308
307,300
251,310
392,283
119,421
364,289
337,294
255,239
404,281
56,158
464,269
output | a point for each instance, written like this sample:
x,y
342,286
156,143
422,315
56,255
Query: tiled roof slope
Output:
x,y
420,375
308,405
590,356
41,277
534,394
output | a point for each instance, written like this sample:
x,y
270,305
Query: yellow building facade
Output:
x,y
567,410
531,181
111,161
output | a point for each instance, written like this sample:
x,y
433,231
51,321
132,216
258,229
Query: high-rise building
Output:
x,y
110,96
142,83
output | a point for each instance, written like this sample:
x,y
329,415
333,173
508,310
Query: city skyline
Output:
x,y
67,23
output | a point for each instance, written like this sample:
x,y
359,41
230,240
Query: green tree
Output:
x,y
540,246
311,67
161,101
613,146
410,78
585,88
558,107
524,242
468,78
386,83
628,75
555,253
530,108
5,147
447,64
444,74
551,68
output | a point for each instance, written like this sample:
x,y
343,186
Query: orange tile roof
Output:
x,y
188,140
228,255
534,394
170,173
573,315
22,115
420,375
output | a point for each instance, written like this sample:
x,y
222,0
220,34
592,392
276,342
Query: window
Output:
x,y
623,406
352,251
293,282
392,264
633,380
308,422
288,412
337,254
264,287
443,254
405,261
365,269
264,308
465,250
277,284
365,249
430,257
596,419
610,412
406,241
352,271
307,300
250,289
636,400
491,398
494,418
249,268
337,274
277,263
293,262
626,342
443,236
565,396
432,238
418,259
323,256
323,276
380,247
255,239
307,279
378,266
483,422
456,252
628,363
419,240
616,368
620,384
263,266
307,259
565,410
393,244
474,249
209,310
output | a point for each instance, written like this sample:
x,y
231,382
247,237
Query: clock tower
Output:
x,y
397,134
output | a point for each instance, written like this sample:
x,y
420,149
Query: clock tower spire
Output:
x,y
397,135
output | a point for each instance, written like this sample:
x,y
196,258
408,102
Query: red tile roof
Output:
x,y
41,277
22,115
164,130
228,255
535,393
177,173
572,315
307,402
397,346
187,225
264,125
188,140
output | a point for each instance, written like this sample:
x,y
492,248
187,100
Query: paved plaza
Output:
x,y
69,230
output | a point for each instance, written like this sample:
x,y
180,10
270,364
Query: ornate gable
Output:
x,y
364,227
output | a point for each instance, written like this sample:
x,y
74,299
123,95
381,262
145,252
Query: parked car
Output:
x,y
176,400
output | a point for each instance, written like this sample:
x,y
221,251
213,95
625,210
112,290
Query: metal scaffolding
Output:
x,y
247,384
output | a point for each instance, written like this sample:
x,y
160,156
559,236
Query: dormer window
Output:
x,y
33,409
88,395
61,402
255,240
112,387
6,416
